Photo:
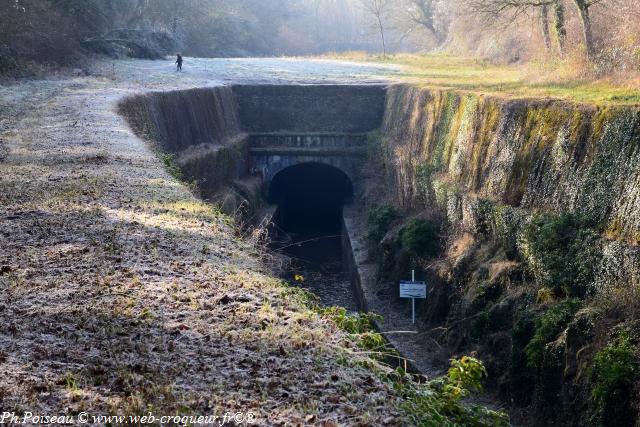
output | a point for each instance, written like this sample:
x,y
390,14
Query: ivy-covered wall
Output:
x,y
490,163
545,287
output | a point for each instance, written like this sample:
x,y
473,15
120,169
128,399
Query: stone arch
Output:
x,y
335,176
310,195
269,166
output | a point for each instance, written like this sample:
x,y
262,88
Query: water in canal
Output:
x,y
308,227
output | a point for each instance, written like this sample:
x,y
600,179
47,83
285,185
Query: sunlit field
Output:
x,y
530,81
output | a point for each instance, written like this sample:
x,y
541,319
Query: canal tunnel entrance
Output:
x,y
310,197
308,228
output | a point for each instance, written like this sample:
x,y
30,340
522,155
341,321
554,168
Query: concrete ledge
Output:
x,y
311,151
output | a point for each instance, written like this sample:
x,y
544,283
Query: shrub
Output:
x,y
171,164
613,373
380,219
466,375
561,252
361,330
420,238
438,402
545,355
547,328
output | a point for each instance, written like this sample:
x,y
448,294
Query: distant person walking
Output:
x,y
179,62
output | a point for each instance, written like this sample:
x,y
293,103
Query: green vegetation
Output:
x,y
547,328
561,251
174,169
380,219
613,374
361,329
171,164
439,401
479,75
420,238
538,368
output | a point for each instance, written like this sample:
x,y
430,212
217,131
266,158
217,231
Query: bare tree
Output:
x,y
514,9
519,7
583,7
379,10
560,24
423,12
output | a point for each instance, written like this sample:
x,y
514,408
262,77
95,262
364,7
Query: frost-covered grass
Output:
x,y
122,293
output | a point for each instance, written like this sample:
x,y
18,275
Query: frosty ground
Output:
x,y
121,292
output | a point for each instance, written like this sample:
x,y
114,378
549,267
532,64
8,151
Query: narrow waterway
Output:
x,y
317,264
308,227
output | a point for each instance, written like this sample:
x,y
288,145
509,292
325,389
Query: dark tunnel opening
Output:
x,y
308,228
310,198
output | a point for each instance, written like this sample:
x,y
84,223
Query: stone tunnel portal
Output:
x,y
310,198
308,227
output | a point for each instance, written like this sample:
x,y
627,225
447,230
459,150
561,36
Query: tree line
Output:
x,y
62,31
557,27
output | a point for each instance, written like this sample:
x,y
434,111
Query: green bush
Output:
x,y
613,375
361,330
545,355
171,164
547,328
380,219
420,238
562,251
439,401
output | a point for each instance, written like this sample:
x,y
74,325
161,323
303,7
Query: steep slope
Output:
x,y
538,266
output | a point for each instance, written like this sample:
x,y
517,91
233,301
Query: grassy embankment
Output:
x,y
556,80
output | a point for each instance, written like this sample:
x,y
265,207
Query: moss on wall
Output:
x,y
546,155
492,168
197,129
177,120
537,156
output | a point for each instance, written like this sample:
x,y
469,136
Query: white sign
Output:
x,y
413,290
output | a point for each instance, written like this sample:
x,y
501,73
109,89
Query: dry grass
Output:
x,y
501,268
461,246
570,79
123,293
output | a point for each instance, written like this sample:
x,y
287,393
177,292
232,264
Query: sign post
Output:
x,y
413,290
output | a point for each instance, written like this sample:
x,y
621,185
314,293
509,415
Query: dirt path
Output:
x,y
121,292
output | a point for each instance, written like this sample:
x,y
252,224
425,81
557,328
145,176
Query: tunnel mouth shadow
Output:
x,y
310,197
307,227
